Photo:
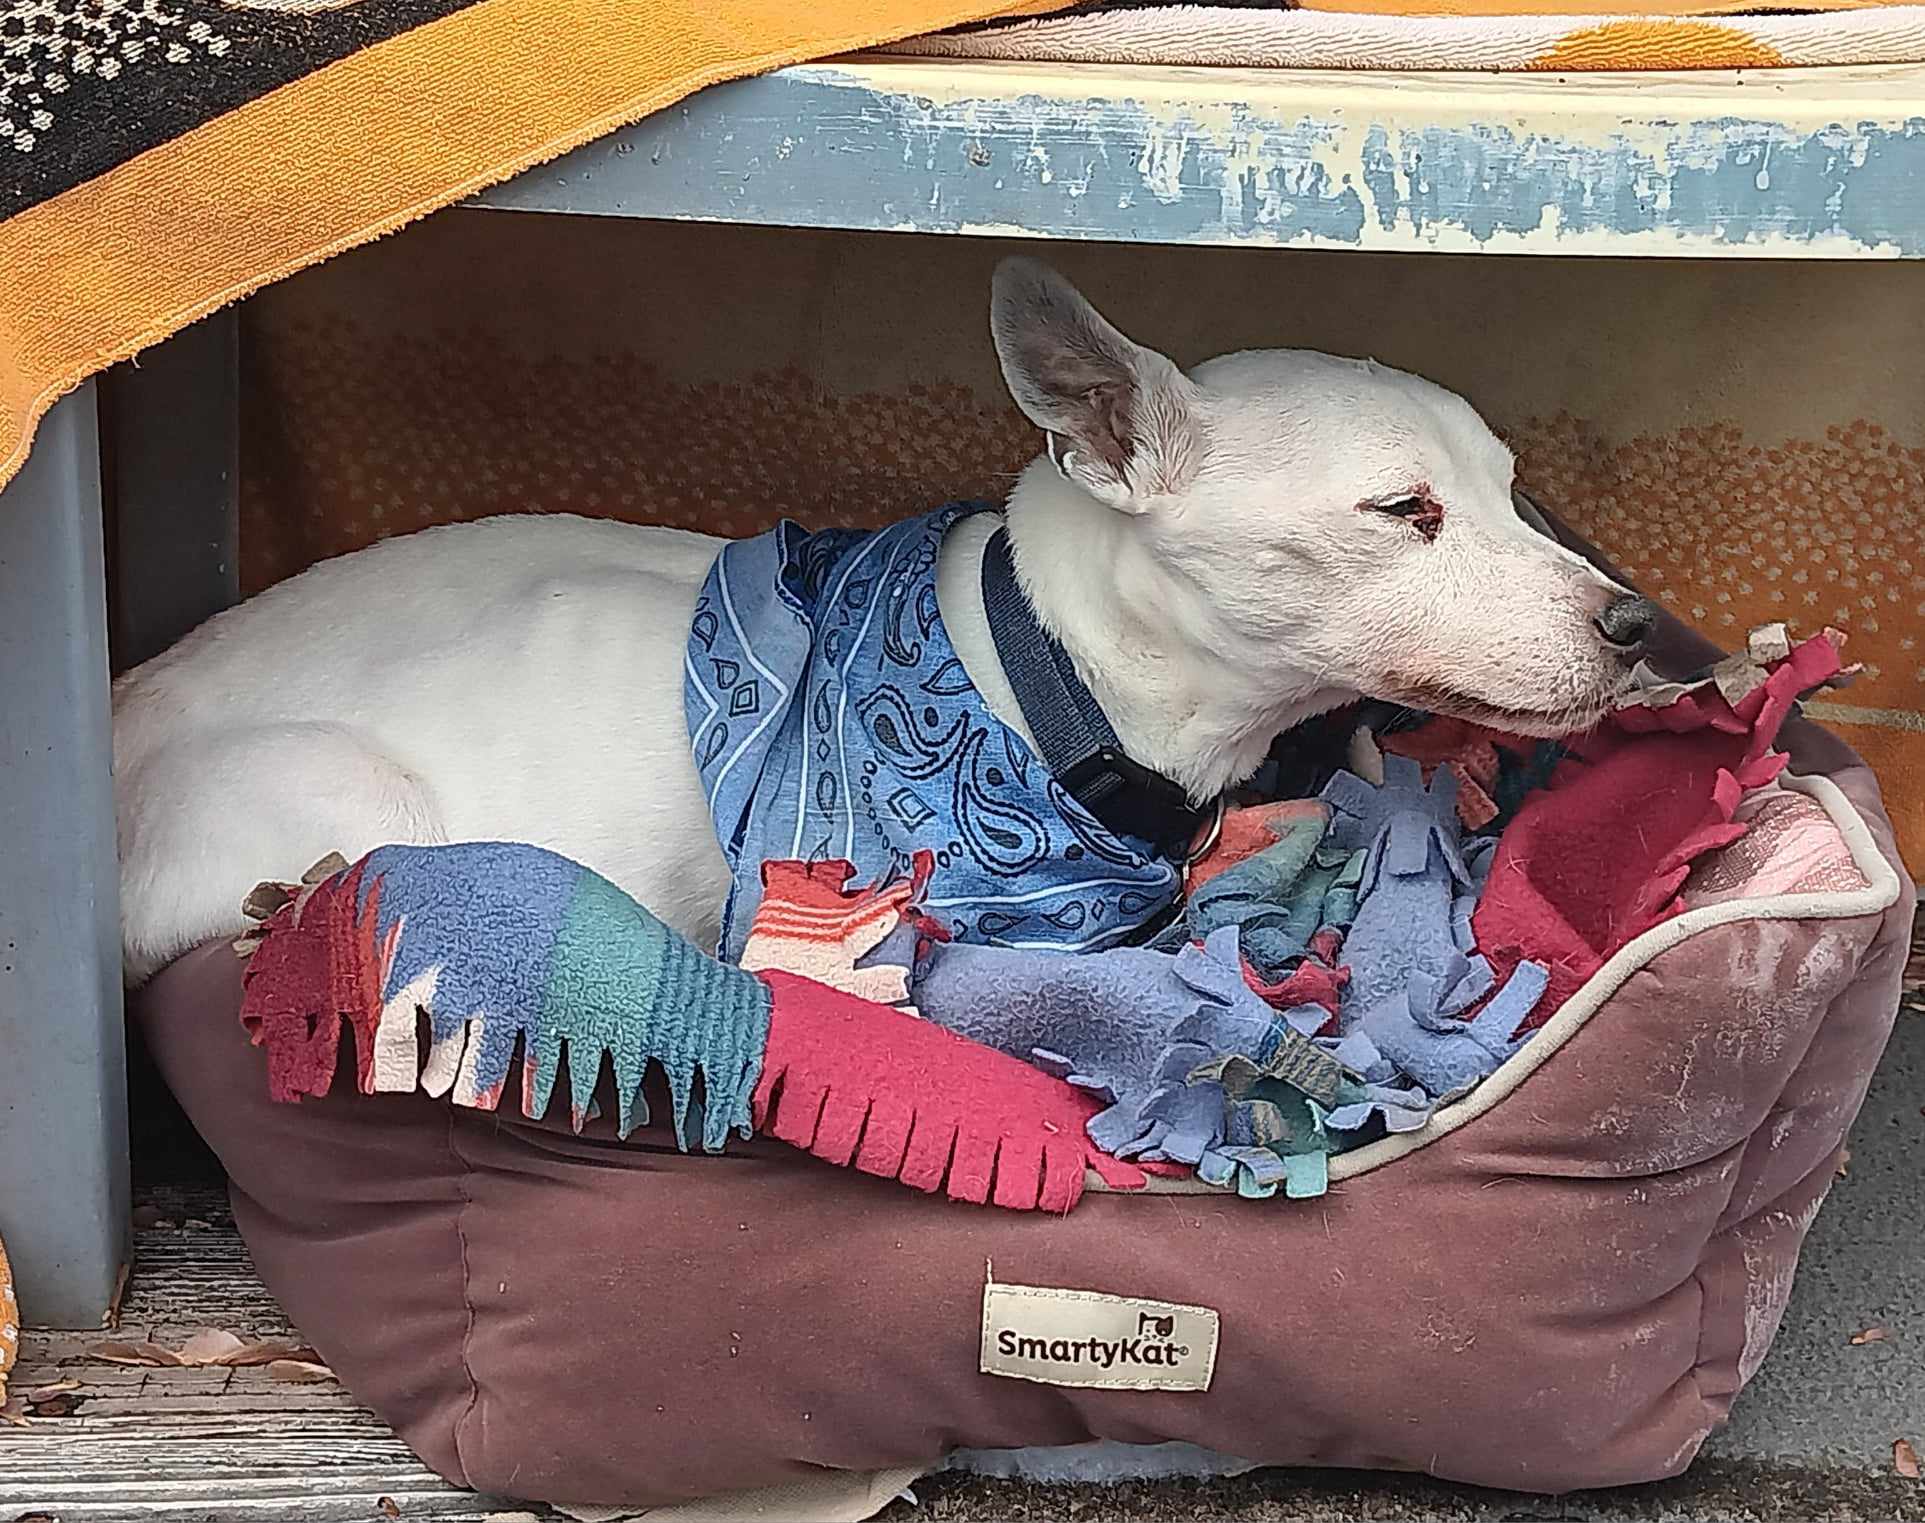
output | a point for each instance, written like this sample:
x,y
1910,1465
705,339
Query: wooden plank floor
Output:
x,y
235,1444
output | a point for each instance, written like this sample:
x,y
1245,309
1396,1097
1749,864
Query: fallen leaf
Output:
x,y
298,1371
1869,1335
165,1224
270,1353
134,1353
195,1224
48,1392
388,1507
211,1345
62,1405
1905,1459
13,1411
207,1346
146,1216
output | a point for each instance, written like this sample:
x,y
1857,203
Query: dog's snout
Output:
x,y
1627,621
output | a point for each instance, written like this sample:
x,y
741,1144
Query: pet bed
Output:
x,y
1561,1281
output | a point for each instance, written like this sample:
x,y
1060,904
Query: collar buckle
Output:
x,y
1135,801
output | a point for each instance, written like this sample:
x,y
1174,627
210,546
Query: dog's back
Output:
x,y
509,677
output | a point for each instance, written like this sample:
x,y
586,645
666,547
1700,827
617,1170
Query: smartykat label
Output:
x,y
1082,1338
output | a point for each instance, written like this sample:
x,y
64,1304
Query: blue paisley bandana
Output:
x,y
831,718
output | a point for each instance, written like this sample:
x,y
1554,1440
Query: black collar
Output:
x,y
1077,742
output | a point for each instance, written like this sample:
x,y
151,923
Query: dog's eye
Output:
x,y
1420,510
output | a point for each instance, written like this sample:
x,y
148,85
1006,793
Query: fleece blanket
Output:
x,y
1560,36
159,160
1323,993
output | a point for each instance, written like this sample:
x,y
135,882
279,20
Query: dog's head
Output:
x,y
1338,518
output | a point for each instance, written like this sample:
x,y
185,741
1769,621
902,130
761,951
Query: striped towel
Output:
x,y
1558,36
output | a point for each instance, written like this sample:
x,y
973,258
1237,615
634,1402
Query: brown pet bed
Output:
x,y
1565,1286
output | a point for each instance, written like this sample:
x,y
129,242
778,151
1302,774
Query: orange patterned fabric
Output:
x,y
361,438
1731,534
1658,44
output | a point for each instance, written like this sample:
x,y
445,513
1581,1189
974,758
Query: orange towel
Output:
x,y
206,203
9,1322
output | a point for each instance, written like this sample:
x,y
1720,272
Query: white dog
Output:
x,y
1222,553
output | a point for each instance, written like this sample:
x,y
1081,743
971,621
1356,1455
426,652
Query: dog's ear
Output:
x,y
1124,417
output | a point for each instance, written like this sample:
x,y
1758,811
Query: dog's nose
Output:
x,y
1627,621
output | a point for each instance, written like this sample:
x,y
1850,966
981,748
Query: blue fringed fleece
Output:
x,y
1200,1069
505,948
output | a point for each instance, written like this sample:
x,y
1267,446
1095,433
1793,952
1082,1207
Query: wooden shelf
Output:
x,y
1792,163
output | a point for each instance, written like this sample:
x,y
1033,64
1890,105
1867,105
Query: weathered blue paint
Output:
x,y
819,147
63,1112
1883,199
